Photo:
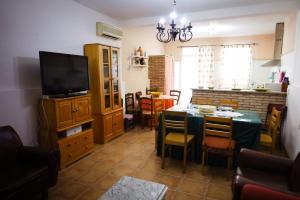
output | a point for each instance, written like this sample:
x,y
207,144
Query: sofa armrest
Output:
x,y
41,157
258,192
264,162
238,184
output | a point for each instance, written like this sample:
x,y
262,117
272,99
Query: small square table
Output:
x,y
129,188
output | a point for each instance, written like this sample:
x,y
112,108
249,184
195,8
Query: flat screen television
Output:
x,y
63,74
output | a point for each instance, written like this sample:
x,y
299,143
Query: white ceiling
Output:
x,y
254,25
224,17
130,9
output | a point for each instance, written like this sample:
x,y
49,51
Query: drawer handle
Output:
x,y
69,155
68,145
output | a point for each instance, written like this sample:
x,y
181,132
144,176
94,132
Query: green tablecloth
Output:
x,y
246,133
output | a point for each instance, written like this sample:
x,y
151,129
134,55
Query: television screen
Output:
x,y
63,73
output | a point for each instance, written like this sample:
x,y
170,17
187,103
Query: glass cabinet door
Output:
x,y
107,85
115,64
115,77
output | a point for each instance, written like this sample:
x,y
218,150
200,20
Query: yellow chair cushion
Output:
x,y
265,138
178,138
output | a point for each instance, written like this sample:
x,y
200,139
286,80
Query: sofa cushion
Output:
x,y
295,175
22,174
278,181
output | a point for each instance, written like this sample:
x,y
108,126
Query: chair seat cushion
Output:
x,y
20,174
278,181
174,137
146,112
128,116
265,138
218,142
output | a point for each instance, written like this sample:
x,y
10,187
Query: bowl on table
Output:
x,y
207,109
155,94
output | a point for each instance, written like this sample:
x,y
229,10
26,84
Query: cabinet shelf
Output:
x,y
145,57
141,66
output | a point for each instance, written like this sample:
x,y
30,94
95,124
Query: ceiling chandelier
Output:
x,y
184,34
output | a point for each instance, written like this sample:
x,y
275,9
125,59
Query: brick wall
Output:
x,y
248,100
156,72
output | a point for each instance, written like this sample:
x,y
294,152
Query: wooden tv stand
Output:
x,y
61,114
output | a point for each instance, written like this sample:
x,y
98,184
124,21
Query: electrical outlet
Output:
x,y
299,126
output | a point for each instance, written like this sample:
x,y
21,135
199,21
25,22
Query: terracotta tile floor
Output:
x,y
133,154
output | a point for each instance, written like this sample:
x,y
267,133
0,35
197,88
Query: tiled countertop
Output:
x,y
240,91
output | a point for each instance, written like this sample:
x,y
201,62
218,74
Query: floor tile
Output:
x,y
183,196
193,187
219,192
171,181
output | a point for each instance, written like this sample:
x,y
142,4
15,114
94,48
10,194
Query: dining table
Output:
x,y
167,101
246,132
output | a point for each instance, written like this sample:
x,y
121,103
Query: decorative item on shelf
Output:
x,y
139,58
135,52
284,84
184,34
140,50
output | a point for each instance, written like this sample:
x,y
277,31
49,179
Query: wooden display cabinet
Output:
x,y
61,114
105,91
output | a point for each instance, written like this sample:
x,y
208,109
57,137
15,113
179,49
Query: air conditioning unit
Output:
x,y
107,30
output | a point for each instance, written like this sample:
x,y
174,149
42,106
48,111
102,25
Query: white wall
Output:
x,y
291,133
27,27
136,79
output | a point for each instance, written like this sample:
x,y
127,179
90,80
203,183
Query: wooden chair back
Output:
x,y
148,91
230,103
175,120
146,104
203,101
138,95
157,110
129,103
176,95
217,127
274,122
280,107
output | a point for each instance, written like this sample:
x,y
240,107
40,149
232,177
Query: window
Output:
x,y
221,67
236,68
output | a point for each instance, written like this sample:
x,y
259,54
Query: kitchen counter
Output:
x,y
248,99
241,91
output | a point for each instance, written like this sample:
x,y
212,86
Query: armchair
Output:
x,y
257,192
277,173
25,171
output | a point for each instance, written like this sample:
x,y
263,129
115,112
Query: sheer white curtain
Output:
x,y
236,67
206,67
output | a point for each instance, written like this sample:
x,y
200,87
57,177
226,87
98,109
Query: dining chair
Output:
x,y
230,103
217,138
280,107
204,101
176,95
146,108
269,138
157,108
148,91
175,133
138,95
130,111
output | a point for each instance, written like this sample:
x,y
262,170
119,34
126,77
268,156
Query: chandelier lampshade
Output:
x,y
166,35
